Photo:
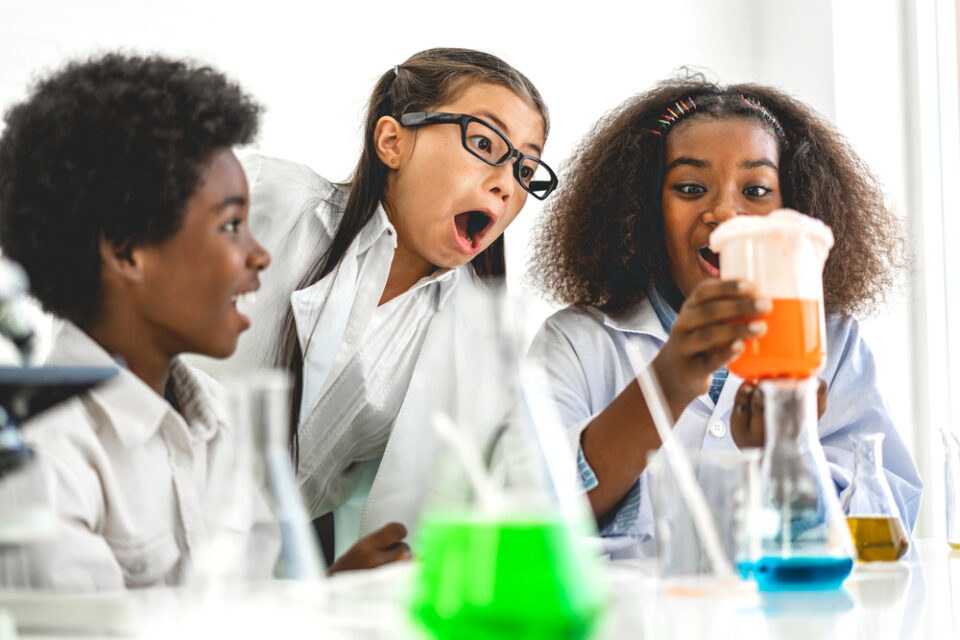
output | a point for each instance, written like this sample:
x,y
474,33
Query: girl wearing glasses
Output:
x,y
368,303
625,245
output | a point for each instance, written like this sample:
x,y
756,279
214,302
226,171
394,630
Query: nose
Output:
x,y
502,181
727,204
258,258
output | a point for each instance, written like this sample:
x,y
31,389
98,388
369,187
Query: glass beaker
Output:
x,y
260,408
807,545
730,481
951,452
868,503
258,527
782,254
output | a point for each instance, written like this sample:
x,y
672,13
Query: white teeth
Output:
x,y
246,298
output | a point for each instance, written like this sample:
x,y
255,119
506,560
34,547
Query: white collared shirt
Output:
x,y
129,474
583,351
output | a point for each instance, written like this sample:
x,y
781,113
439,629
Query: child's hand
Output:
x,y
713,322
746,420
381,547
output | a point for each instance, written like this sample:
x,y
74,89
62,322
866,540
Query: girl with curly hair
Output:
x,y
624,244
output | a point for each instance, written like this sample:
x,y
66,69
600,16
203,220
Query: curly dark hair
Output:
x,y
602,240
110,146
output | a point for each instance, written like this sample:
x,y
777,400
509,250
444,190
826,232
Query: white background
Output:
x,y
877,69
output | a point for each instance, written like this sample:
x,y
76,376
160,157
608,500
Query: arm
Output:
x,y
76,558
617,439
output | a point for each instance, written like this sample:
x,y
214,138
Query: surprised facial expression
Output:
x,y
446,204
715,169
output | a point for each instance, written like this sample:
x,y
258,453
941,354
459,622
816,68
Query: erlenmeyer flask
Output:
x,y
500,554
951,452
872,514
806,544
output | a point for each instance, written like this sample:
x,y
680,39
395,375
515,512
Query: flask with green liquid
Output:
x,y
509,560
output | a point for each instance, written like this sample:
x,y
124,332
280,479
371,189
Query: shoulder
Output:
x,y
290,198
576,328
847,351
264,173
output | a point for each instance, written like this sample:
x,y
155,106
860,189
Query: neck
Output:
x,y
126,335
406,270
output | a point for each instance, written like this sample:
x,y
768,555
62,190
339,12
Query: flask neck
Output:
x,y
867,455
790,412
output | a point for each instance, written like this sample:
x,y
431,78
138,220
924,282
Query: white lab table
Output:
x,y
918,597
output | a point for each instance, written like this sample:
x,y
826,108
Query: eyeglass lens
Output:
x,y
491,147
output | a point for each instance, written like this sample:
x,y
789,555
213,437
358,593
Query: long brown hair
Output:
x,y
427,79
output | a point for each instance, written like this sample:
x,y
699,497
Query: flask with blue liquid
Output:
x,y
805,544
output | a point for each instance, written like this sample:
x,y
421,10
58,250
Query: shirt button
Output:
x,y
718,429
351,336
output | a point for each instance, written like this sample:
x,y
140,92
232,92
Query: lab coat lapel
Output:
x,y
447,379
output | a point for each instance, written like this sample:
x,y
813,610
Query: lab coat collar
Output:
x,y
131,408
640,319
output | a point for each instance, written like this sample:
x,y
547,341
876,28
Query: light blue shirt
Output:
x,y
583,351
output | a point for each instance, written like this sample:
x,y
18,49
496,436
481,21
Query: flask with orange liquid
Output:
x,y
783,255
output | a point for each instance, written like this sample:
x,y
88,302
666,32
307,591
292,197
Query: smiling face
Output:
x,y
715,169
191,280
446,204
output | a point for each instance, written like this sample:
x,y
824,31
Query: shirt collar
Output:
x,y
665,313
131,408
641,318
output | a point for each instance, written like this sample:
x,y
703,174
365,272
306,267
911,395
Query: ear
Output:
x,y
120,260
390,141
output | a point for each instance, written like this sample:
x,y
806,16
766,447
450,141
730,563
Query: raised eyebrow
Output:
x,y
506,130
756,164
690,162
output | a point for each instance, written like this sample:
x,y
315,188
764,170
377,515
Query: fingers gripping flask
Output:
x,y
872,514
782,254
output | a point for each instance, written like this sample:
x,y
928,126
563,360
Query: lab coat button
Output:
x,y
718,429
351,336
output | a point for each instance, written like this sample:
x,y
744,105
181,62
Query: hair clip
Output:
x,y
396,70
673,114
766,115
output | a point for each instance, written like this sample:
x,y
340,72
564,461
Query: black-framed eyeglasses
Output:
x,y
488,143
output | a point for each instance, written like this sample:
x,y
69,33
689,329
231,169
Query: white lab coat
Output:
x,y
294,214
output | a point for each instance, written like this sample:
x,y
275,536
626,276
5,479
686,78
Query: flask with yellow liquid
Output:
x,y
872,514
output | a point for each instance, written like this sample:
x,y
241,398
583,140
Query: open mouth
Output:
x,y
471,227
710,260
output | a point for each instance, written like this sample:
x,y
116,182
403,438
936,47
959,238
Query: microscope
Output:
x,y
25,389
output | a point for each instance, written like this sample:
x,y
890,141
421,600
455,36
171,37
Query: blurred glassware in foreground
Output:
x,y
259,529
730,481
872,513
500,546
951,452
808,544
